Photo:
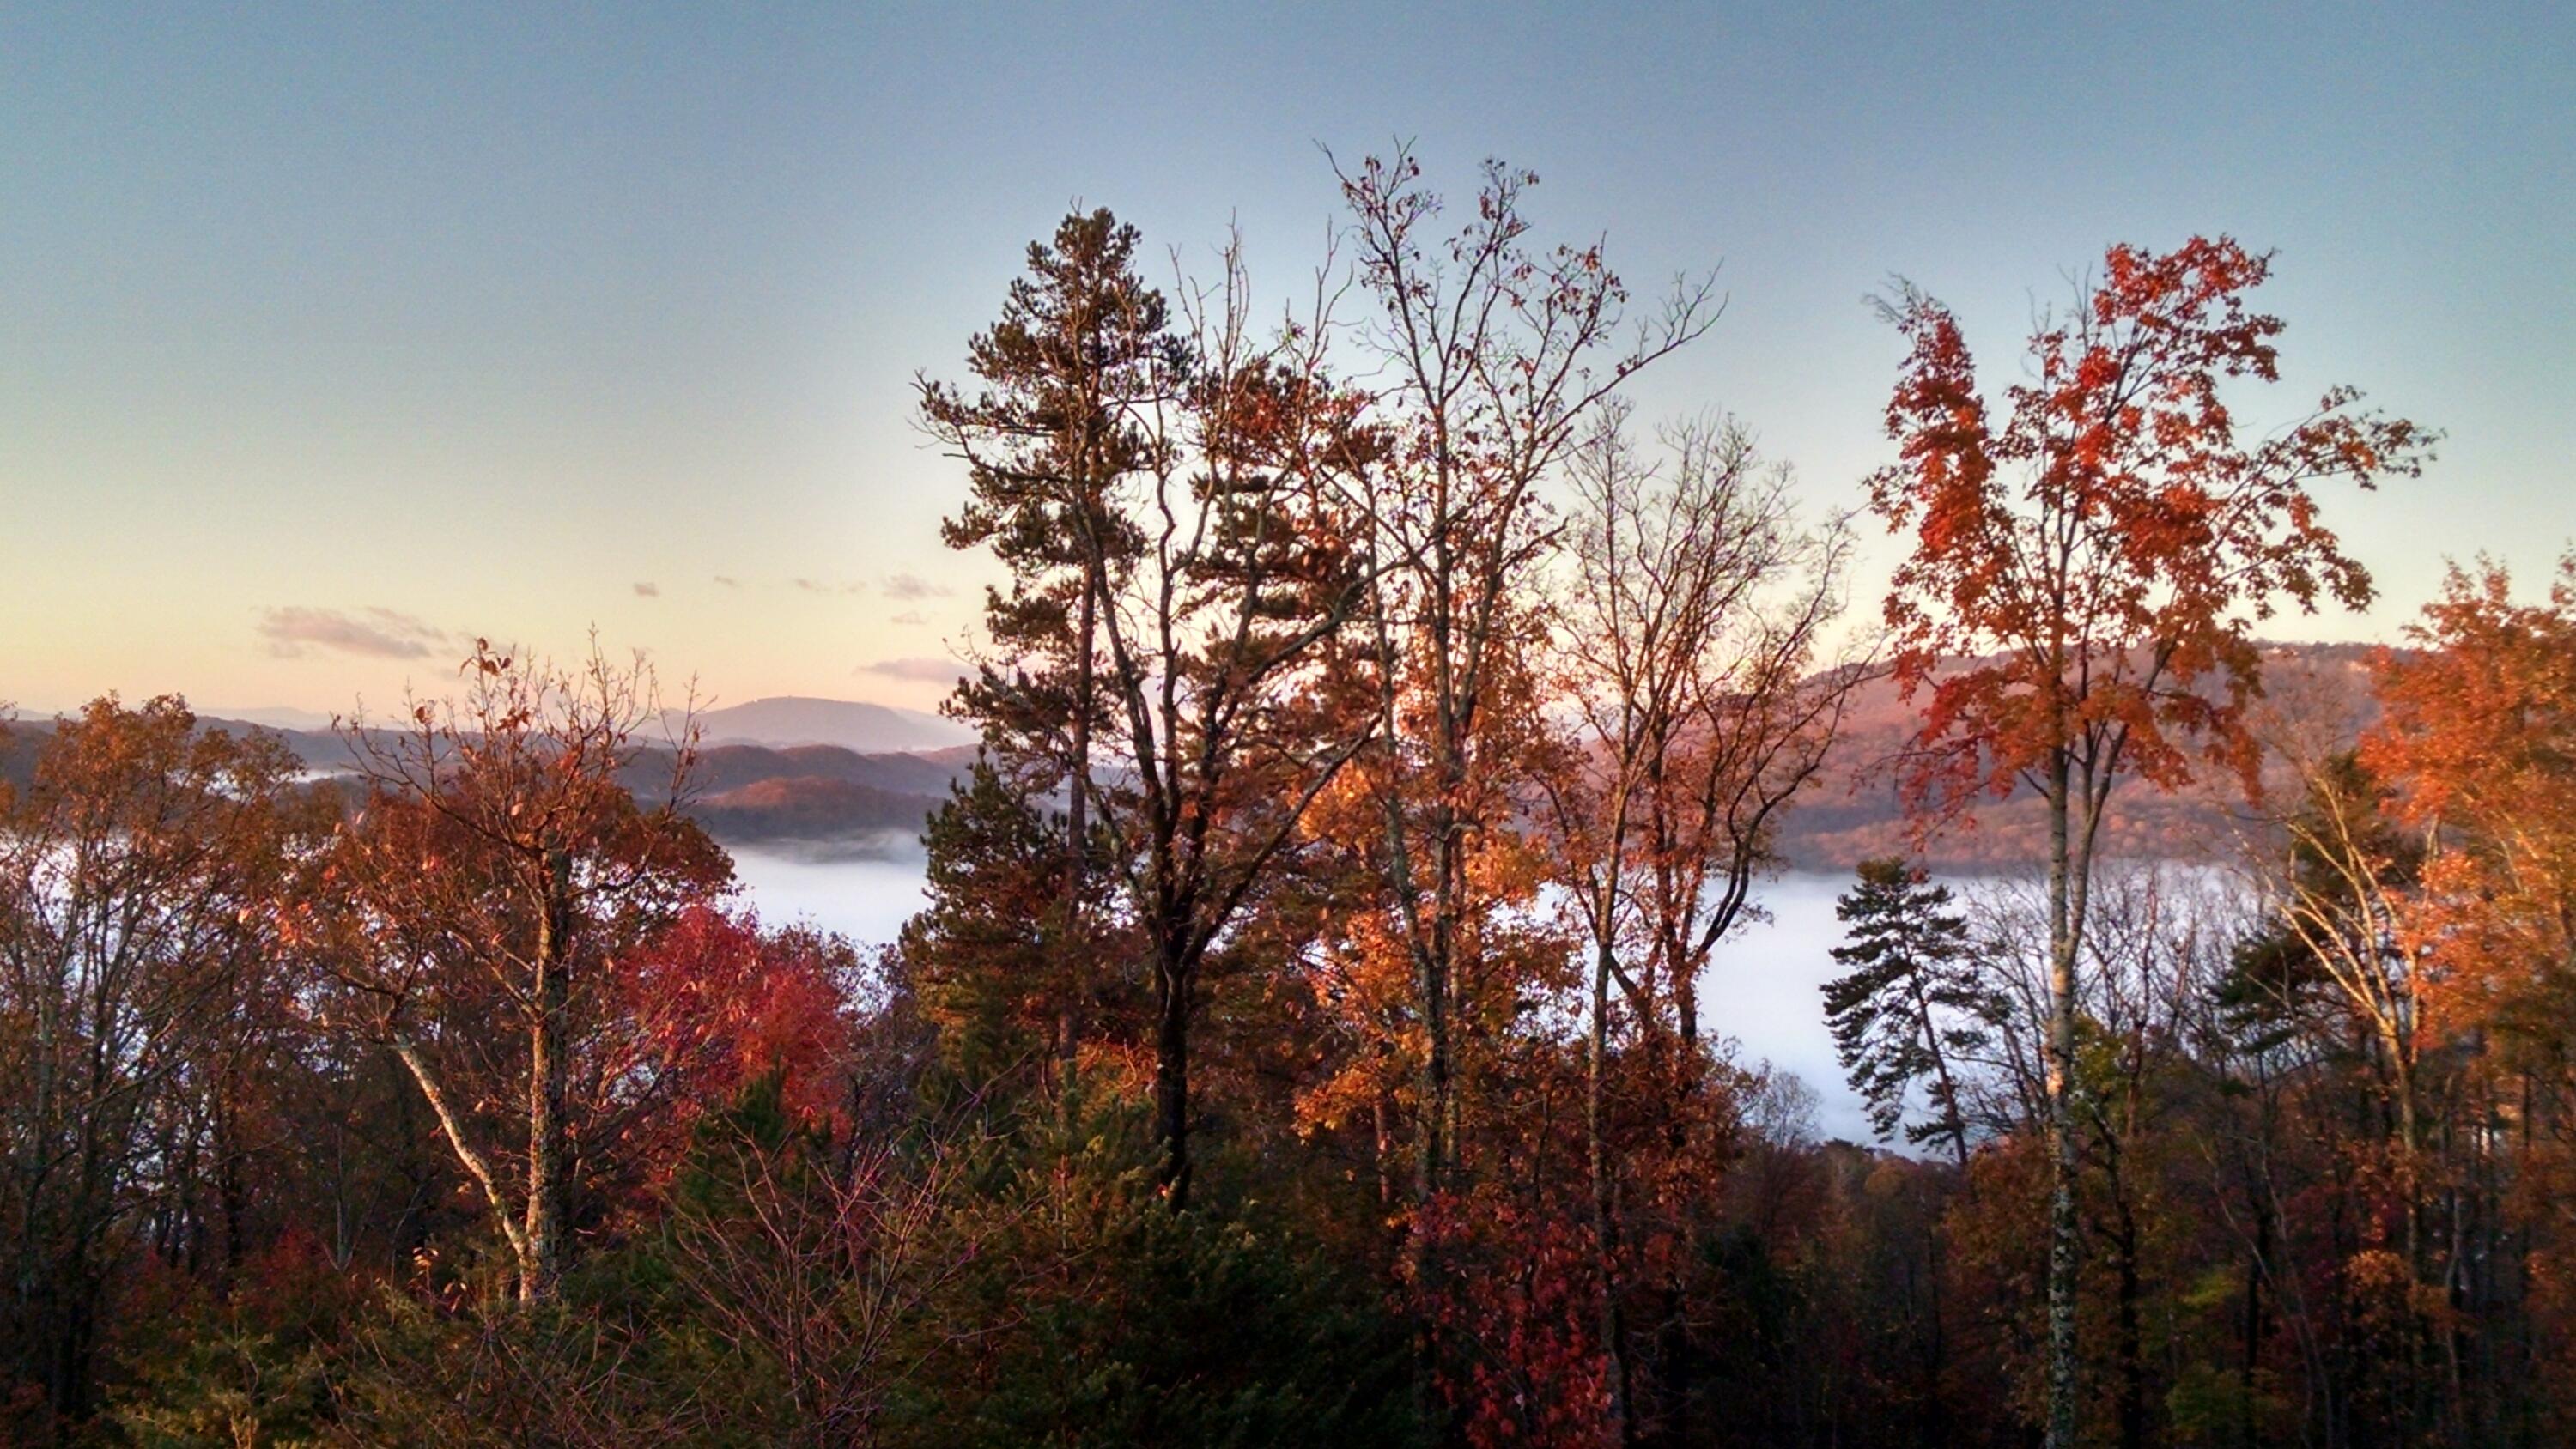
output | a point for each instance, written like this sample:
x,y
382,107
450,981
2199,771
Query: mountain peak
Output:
x,y
785,720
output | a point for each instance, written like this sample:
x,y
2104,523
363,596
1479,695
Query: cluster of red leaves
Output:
x,y
714,1002
1513,1303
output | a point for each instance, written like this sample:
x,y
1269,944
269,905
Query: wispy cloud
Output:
x,y
730,583
378,633
904,587
919,668
648,591
909,616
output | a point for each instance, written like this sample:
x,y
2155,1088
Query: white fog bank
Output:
x,y
1762,989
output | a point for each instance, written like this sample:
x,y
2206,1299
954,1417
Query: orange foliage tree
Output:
x,y
2086,575
2480,734
1496,355
140,872
2477,745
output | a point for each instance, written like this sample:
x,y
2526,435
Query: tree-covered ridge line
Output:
x,y
1308,1035
755,796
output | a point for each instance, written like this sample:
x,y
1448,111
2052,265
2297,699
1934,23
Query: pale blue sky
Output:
x,y
330,334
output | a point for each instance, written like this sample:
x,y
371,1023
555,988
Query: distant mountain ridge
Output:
x,y
867,729
796,794
1856,808
763,778
284,718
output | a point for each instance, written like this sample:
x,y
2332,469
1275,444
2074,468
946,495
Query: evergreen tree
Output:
x,y
1083,350
986,955
1908,1002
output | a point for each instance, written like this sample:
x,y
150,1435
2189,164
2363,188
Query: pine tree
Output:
x,y
1082,348
986,954
1909,1001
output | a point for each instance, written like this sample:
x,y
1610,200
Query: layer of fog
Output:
x,y
1761,991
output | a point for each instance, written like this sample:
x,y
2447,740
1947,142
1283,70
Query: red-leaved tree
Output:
x,y
2090,562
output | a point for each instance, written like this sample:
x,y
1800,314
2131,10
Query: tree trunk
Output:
x,y
2133,1368
1437,1149
1431,971
2063,1245
541,1264
1936,1360
230,1190
1172,1076
1605,1227
2410,1150
409,1054
1384,1139
2250,1365
1953,1124
1077,810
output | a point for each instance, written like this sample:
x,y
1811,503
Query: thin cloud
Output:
x,y
648,591
909,616
730,583
906,587
920,669
809,586
376,633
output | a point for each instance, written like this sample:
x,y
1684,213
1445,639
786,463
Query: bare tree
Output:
x,y
1686,656
818,1261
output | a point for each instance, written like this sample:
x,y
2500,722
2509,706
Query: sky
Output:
x,y
332,337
